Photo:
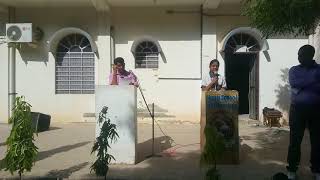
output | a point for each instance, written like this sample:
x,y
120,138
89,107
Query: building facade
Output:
x,y
168,44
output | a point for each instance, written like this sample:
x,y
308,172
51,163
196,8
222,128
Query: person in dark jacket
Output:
x,y
304,80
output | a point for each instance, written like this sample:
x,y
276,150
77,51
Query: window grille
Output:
x,y
242,43
146,55
74,66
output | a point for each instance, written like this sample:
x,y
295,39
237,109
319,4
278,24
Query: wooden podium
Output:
x,y
121,101
220,109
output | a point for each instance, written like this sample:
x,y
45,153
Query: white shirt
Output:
x,y
207,80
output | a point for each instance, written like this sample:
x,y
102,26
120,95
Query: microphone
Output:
x,y
216,86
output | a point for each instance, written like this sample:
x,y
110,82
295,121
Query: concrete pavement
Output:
x,y
64,152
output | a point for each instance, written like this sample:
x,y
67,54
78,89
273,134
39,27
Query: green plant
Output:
x,y
213,148
21,151
282,17
107,136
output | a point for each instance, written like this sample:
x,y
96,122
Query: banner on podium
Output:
x,y
221,111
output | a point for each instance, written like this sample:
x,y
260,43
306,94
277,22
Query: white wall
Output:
x,y
4,83
174,87
36,67
225,24
3,72
274,92
315,41
178,35
283,55
179,38
209,42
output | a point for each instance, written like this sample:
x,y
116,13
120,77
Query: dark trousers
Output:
x,y
301,117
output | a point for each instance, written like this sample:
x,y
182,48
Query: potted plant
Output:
x,y
213,148
21,150
107,136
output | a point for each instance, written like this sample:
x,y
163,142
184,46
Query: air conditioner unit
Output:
x,y
19,32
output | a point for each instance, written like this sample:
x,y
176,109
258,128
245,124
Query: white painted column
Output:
x,y
103,59
315,41
209,42
12,67
12,77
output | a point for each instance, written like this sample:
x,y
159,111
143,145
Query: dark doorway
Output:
x,y
241,74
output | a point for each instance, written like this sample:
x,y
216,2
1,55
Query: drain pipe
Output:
x,y
11,69
201,39
112,47
12,77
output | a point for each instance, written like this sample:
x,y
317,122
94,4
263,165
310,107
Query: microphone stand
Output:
x,y
152,117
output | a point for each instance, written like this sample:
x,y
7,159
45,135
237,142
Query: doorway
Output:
x,y
242,75
242,71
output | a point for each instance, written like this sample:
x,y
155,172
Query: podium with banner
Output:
x,y
220,109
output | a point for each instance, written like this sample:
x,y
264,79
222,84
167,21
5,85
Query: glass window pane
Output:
x,y
146,51
62,91
85,42
75,92
87,91
87,49
75,49
63,83
62,78
74,65
88,78
63,87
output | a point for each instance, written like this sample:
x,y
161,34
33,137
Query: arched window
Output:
x,y
74,66
146,55
242,43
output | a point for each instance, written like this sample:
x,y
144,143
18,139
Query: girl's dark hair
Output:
x,y
118,60
214,61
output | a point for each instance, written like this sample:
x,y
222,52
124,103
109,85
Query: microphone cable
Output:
x,y
152,115
175,146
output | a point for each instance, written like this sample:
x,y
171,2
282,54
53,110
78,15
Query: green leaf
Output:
x,y
107,136
21,151
283,17
214,147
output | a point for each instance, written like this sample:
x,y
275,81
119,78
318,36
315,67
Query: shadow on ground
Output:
x,y
144,149
50,129
262,154
65,173
45,154
182,166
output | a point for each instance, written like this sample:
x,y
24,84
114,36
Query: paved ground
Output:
x,y
64,152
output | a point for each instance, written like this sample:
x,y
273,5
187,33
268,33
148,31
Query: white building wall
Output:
x,y
4,83
225,24
282,54
209,42
274,88
103,42
3,70
35,77
175,86
314,40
